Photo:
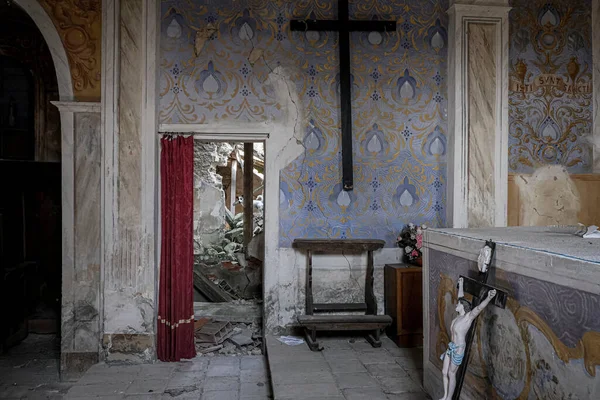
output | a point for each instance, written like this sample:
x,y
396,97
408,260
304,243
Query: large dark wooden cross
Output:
x,y
344,26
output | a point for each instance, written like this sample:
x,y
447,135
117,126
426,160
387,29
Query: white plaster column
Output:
x,y
129,101
478,113
596,82
81,154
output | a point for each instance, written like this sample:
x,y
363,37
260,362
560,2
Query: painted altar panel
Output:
x,y
545,344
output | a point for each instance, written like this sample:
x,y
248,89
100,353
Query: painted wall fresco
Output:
x,y
543,345
79,24
399,104
550,95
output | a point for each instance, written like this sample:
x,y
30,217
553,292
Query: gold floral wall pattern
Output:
x,y
79,25
550,98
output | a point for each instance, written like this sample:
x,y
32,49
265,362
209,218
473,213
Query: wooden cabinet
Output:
x,y
404,303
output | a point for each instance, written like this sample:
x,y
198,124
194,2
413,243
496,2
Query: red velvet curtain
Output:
x,y
176,292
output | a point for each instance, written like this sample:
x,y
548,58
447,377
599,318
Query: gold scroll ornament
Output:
x,y
79,26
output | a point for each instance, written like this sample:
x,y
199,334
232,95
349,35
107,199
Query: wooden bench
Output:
x,y
353,322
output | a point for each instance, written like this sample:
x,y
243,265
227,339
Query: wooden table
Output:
x,y
404,303
368,322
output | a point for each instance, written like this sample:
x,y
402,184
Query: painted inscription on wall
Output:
x,y
550,93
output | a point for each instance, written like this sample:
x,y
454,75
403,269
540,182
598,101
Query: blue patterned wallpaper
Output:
x,y
399,104
549,116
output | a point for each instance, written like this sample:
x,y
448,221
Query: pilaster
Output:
x,y
130,174
478,113
81,226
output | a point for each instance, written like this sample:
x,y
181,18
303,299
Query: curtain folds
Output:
x,y
175,334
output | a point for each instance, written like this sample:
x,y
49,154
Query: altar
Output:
x,y
546,342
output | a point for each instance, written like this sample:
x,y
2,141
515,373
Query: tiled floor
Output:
x,y
30,370
346,369
216,378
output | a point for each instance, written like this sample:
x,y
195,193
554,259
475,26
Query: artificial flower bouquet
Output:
x,y
410,241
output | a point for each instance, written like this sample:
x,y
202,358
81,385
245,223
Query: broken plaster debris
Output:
x,y
291,340
246,340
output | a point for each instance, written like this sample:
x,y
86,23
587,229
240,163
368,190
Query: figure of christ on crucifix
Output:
x,y
459,328
344,26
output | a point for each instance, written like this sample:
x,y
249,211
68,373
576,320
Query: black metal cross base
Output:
x,y
479,290
344,26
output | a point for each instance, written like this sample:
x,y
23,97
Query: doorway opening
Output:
x,y
30,205
229,246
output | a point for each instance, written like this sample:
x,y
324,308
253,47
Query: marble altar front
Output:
x,y
546,343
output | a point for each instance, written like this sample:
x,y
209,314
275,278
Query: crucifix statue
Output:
x,y
344,26
462,328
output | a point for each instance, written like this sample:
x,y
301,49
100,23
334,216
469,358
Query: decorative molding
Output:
x,y
54,42
249,133
78,106
110,131
461,16
79,25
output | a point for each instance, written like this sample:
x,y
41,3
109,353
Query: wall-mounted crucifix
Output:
x,y
344,26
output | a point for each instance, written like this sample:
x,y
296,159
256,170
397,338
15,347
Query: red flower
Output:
x,y
414,253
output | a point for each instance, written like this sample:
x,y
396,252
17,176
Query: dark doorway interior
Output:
x,y
30,178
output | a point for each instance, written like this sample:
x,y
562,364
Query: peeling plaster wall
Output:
x,y
253,70
399,105
548,197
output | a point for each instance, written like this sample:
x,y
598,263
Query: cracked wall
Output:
x,y
399,105
254,71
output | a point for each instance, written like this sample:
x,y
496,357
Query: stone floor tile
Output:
x,y
153,396
221,395
221,383
157,371
362,346
140,386
364,394
253,376
255,389
346,366
225,361
393,385
199,364
379,357
253,362
362,379
305,377
99,389
184,392
410,362
306,391
186,379
341,354
223,370
390,370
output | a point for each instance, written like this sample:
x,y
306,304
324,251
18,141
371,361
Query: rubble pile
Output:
x,y
227,338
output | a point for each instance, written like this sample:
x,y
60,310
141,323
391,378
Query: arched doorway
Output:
x,y
32,76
